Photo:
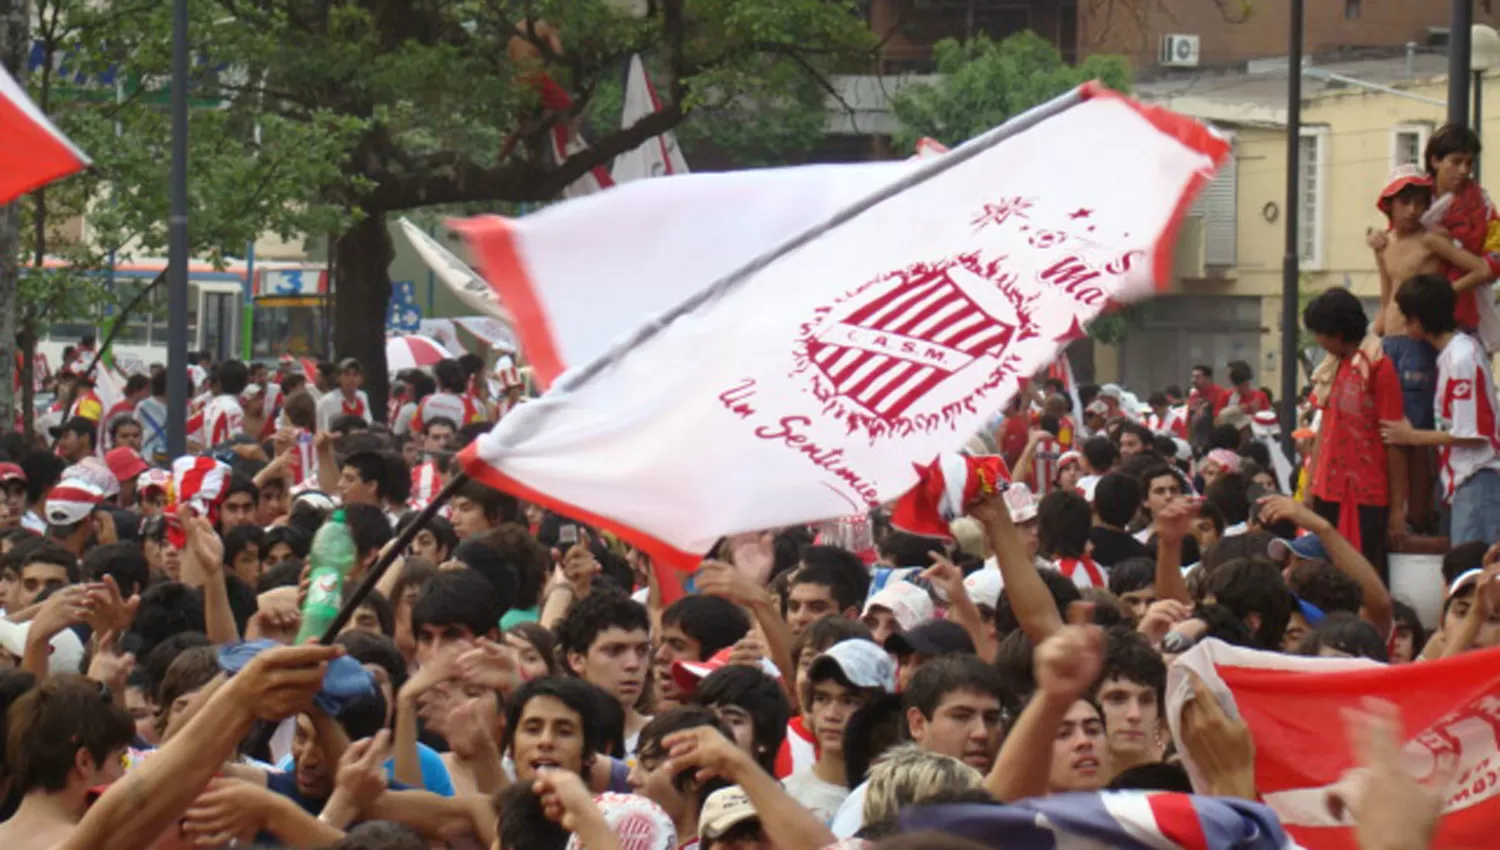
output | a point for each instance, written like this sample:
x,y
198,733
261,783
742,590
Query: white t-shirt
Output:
x,y
1465,407
821,798
1086,486
332,406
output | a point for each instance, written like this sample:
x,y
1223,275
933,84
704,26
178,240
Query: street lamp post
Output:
x,y
1460,23
1290,321
177,251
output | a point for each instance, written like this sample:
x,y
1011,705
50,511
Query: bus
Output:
x,y
255,310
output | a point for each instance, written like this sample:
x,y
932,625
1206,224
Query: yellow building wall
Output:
x,y
1357,127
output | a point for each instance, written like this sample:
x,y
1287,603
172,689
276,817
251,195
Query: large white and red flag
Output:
x,y
1450,711
812,378
34,152
658,156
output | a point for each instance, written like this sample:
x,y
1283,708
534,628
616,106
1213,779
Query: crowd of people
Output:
x,y
520,680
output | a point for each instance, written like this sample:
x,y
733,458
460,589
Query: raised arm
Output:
x,y
1067,663
135,810
1378,608
1030,599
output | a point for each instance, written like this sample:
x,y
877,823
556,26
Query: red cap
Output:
x,y
11,472
125,463
1403,178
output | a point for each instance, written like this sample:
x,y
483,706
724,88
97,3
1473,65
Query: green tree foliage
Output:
x,y
370,108
982,83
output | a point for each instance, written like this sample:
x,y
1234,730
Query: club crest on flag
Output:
x,y
912,348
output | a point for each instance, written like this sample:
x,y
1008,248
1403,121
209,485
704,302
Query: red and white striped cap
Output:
x,y
200,483
71,502
507,373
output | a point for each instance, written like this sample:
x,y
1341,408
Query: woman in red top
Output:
x,y
1354,478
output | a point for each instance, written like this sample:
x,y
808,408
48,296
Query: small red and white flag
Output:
x,y
35,152
1450,712
811,381
658,156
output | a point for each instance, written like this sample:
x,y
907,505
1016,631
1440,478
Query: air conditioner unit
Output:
x,y
1179,51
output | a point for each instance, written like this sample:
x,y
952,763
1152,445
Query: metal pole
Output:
x,y
177,252
1460,26
1478,116
1290,321
389,556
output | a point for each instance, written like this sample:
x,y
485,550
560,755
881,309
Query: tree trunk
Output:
x,y
14,26
362,292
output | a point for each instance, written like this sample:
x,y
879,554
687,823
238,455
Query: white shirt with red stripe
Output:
x,y
426,481
223,418
333,405
1173,424
1465,408
1083,572
459,409
1044,457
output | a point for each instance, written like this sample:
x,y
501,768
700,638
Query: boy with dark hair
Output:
x,y
553,723
1134,582
820,589
1242,392
1131,692
605,639
1099,457
123,562
838,682
1356,483
240,503
680,793
1117,500
46,567
692,629
1254,590
953,707
63,737
1467,435
752,706
361,477
1063,522
348,399
454,608
477,509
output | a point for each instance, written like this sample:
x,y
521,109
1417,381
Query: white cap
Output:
x,y
907,602
1022,503
984,585
862,662
72,501
67,649
1463,581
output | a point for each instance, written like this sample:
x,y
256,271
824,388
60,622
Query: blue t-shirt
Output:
x,y
434,774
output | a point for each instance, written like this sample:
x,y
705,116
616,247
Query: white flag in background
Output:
x,y
808,380
655,157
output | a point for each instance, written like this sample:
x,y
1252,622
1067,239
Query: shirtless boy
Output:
x,y
1408,250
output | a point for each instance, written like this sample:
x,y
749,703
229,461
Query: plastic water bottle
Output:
x,y
332,559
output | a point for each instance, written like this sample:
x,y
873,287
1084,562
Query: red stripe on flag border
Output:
x,y
1177,819
1190,134
492,240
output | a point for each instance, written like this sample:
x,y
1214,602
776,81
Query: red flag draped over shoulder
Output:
x,y
769,348
34,151
1450,710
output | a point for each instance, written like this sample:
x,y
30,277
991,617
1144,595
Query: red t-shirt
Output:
x,y
1466,217
1252,402
1351,454
1014,432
